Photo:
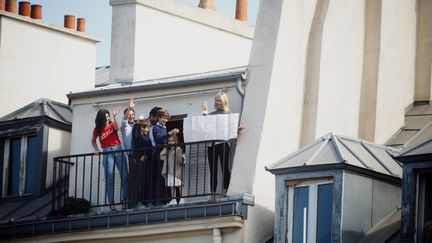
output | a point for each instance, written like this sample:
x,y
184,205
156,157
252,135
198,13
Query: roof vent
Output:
x,y
207,4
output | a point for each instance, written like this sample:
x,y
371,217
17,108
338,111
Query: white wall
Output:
x,y
341,69
396,73
59,142
155,39
37,60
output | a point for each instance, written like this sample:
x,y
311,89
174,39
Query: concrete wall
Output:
x,y
38,60
59,143
154,39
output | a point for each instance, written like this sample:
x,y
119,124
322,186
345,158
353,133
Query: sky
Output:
x,y
98,18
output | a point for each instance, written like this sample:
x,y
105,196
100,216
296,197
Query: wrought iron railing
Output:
x,y
201,176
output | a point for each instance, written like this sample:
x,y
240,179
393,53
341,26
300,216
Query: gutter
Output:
x,y
236,74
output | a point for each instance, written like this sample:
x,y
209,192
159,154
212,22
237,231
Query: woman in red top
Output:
x,y
106,130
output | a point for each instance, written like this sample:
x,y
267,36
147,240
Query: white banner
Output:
x,y
211,127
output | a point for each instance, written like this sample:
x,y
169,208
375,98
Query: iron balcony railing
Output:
x,y
203,173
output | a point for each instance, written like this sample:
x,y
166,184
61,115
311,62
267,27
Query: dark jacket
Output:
x,y
141,143
160,135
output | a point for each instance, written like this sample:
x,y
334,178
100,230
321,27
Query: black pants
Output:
x,y
144,181
133,181
160,192
219,152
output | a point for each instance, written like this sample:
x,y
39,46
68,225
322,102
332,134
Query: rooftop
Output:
x,y
335,151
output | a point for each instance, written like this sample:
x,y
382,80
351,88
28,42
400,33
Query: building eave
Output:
x,y
161,229
338,166
229,75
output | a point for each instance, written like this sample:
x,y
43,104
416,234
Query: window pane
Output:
x,y
301,201
324,213
14,167
32,147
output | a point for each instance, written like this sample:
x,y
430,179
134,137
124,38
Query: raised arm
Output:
x,y
115,113
131,105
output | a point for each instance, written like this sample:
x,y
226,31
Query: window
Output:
x,y
20,158
424,206
309,215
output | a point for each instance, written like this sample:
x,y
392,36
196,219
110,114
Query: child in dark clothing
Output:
x,y
142,153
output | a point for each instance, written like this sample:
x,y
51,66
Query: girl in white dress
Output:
x,y
174,160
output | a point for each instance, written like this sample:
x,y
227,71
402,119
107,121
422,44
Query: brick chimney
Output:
x,y
11,6
69,21
81,24
241,10
208,4
2,5
36,11
24,8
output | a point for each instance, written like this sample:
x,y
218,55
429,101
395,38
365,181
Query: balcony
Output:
x,y
79,200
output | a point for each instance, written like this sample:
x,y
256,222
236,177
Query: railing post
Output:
x,y
54,184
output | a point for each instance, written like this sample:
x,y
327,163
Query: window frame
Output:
x,y
23,166
312,184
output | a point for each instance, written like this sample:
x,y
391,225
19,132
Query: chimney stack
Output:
x,y
2,5
207,4
36,11
81,24
11,6
69,21
241,10
24,8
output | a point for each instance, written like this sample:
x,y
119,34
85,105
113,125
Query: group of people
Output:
x,y
154,161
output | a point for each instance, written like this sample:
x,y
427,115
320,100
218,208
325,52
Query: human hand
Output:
x,y
115,111
131,103
174,131
97,152
204,106
141,117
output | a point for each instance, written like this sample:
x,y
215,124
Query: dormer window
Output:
x,y
19,165
309,206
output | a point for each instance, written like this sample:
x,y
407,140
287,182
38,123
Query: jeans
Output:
x,y
119,159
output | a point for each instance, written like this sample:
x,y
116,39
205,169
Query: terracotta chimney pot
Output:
x,y
11,6
36,11
81,24
207,4
241,10
69,21
2,5
24,8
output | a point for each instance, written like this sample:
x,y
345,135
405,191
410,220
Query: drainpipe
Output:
x,y
217,236
240,91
